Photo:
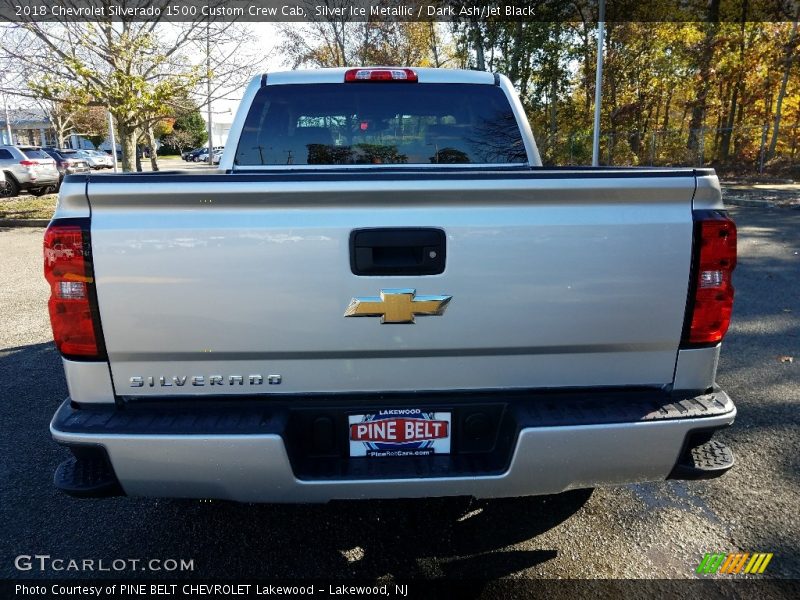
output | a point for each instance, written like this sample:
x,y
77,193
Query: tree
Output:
x,y
705,53
181,140
193,126
187,131
61,115
141,72
91,122
337,40
73,115
791,53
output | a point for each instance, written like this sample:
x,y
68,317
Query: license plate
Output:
x,y
400,432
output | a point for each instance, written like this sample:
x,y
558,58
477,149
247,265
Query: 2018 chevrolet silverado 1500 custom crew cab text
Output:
x,y
382,293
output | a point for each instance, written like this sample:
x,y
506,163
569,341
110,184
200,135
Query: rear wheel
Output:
x,y
40,191
9,188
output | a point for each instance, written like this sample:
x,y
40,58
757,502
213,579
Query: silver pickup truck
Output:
x,y
381,294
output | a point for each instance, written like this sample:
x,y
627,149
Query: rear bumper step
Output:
x,y
266,451
88,474
703,460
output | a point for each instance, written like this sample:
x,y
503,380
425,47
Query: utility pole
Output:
x,y
598,83
10,141
8,121
208,93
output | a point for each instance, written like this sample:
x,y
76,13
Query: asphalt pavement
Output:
x,y
652,530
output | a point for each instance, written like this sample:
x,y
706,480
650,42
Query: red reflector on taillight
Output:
x,y
28,163
68,270
711,301
380,75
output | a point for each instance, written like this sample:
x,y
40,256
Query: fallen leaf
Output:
x,y
786,359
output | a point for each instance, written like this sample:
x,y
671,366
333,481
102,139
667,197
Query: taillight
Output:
x,y
711,289
28,163
385,75
73,300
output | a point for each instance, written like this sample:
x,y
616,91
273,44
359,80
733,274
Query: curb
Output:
x,y
24,222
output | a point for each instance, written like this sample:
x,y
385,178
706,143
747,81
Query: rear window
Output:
x,y
35,153
364,123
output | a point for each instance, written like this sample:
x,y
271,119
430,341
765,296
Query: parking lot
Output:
x,y
651,530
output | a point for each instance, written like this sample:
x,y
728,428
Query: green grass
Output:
x,y
28,207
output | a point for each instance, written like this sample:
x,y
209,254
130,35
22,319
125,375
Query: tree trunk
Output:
x,y
667,107
738,140
795,129
703,77
61,135
738,88
151,141
136,136
657,118
516,53
789,61
727,133
553,109
477,40
434,43
127,141
723,93
588,82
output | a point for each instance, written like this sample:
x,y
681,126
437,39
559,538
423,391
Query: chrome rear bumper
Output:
x,y
256,467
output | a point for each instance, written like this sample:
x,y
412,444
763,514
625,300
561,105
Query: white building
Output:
x,y
220,125
31,127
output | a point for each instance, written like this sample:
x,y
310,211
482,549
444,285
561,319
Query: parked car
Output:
x,y
190,154
97,159
68,161
368,313
202,155
28,168
119,153
217,153
216,157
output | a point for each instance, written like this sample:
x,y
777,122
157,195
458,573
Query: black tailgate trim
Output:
x,y
260,415
392,174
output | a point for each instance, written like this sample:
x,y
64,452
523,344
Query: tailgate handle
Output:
x,y
397,251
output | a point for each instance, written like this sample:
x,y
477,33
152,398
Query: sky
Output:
x,y
268,38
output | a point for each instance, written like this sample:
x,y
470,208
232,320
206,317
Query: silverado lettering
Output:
x,y
199,380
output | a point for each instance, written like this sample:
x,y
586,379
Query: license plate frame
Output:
x,y
400,432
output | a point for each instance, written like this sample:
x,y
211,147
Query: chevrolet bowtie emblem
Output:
x,y
397,306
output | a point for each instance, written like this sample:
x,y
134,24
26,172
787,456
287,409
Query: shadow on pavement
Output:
x,y
440,537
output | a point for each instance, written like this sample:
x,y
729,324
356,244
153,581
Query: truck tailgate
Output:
x,y
210,284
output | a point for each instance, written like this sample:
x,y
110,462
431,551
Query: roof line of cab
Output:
x,y
337,75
